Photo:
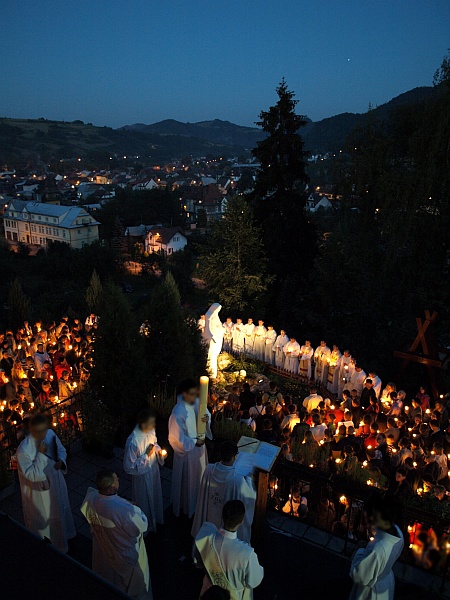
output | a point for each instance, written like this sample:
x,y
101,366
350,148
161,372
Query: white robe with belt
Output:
x,y
278,347
189,461
269,341
259,336
229,562
306,354
146,480
371,568
291,351
118,549
238,337
221,483
45,501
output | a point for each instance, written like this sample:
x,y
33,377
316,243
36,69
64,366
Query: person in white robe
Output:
x,y
291,351
371,568
321,357
222,482
346,367
141,460
249,329
306,354
278,349
259,337
269,341
377,384
190,458
357,380
213,337
228,335
41,461
333,370
118,549
229,563
238,336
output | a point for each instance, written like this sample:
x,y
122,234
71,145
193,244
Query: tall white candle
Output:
x,y
201,427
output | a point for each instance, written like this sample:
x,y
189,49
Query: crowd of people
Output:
x,y
404,442
41,367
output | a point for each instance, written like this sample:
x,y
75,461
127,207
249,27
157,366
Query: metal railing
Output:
x,y
336,505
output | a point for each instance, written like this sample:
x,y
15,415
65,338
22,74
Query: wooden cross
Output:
x,y
429,355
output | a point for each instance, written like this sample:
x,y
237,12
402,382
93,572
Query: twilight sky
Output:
x,y
114,62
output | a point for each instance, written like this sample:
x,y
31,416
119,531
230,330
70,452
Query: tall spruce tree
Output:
x,y
172,352
280,190
234,263
94,292
19,304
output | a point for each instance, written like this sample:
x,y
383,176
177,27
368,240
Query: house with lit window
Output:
x,y
38,223
165,240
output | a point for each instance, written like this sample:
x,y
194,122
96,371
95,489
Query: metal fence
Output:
x,y
334,504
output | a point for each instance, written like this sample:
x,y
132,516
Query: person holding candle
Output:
x,y
142,458
118,549
278,349
269,341
371,569
190,456
321,358
306,354
41,460
238,336
291,351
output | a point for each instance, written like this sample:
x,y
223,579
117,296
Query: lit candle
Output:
x,y
311,466
342,499
338,460
201,426
369,482
164,453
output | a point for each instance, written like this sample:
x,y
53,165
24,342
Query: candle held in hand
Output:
x,y
164,453
201,426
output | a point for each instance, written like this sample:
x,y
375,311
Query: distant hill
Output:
x,y
216,131
43,140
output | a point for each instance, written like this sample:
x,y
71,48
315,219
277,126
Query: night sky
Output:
x,y
125,61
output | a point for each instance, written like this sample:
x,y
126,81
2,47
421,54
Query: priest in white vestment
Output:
x,y
291,351
321,357
357,380
346,367
228,335
118,549
41,460
333,370
238,336
190,458
377,384
278,349
312,401
222,482
259,337
229,563
141,460
371,568
306,354
269,341
249,339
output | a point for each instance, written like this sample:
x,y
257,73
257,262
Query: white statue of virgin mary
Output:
x,y
213,337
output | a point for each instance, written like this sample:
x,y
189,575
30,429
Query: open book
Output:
x,y
254,454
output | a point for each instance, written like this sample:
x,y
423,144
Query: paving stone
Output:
x,y
317,536
74,480
82,489
85,530
79,521
276,520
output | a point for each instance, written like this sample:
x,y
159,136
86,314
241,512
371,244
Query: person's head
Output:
x,y
331,417
292,340
368,383
348,451
400,475
40,347
346,395
381,512
439,406
434,424
228,453
65,375
374,428
235,389
354,393
313,390
246,387
404,442
250,321
342,430
39,427
401,395
146,419
439,492
316,419
422,390
282,332
392,423
270,327
260,323
347,415
381,439
229,321
350,430
355,403
188,390
45,386
390,439
358,368
233,514
107,483
307,343
238,321
291,409
273,386
267,424
438,448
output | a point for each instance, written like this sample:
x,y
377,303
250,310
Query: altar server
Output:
x,y
278,348
190,458
41,460
306,354
142,458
